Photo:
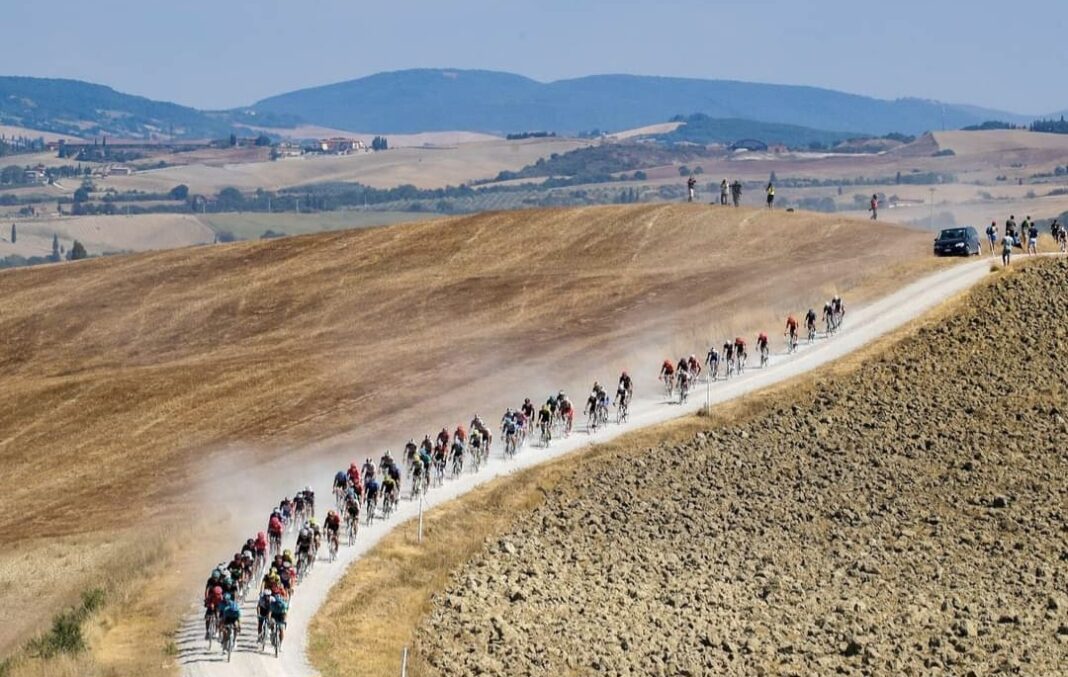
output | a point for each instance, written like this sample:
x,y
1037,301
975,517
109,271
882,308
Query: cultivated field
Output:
x,y
421,167
163,374
901,515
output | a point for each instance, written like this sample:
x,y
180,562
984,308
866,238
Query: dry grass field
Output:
x,y
421,167
136,382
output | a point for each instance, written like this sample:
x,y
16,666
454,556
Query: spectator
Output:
x,y
874,207
770,190
736,192
724,188
1006,249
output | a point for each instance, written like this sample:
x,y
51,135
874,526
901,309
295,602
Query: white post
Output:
x,y
420,516
708,395
404,662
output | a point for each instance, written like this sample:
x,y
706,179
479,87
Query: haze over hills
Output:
x,y
426,100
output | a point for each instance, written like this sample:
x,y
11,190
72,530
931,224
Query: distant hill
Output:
x,y
440,99
86,110
435,100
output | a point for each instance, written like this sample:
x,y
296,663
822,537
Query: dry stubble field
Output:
x,y
131,379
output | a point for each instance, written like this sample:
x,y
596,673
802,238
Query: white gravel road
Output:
x,y
861,327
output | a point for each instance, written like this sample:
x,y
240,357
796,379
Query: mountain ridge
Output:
x,y
449,99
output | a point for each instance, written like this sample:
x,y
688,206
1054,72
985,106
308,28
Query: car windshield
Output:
x,y
952,234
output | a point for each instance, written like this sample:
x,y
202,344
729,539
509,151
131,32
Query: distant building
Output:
x,y
120,170
748,144
34,174
340,145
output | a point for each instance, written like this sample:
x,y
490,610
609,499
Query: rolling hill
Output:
x,y
436,100
134,380
85,110
439,99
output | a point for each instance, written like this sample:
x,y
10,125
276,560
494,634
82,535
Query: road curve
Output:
x,y
863,325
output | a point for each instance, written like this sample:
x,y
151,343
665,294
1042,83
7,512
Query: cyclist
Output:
x,y
332,524
213,600
352,502
712,360
567,412
386,462
828,316
838,308
545,418
527,409
810,322
739,352
626,384
279,611
476,444
694,366
728,357
368,471
487,436
591,404
683,378
443,438
298,506
354,475
553,406
459,434
341,482
762,346
389,489
230,614
263,610
509,429
667,372
602,401
305,541
275,527
622,394
371,495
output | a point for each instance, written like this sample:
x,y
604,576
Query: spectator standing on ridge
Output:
x,y
992,235
691,188
1006,249
874,207
770,190
1032,238
723,189
1010,226
736,192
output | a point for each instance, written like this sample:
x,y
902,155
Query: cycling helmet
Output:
x,y
623,375
216,574
313,523
693,357
228,597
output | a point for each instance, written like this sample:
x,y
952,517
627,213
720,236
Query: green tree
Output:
x,y
14,234
233,140
180,192
81,195
77,251
55,247
263,140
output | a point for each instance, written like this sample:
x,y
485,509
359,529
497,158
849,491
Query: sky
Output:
x,y
228,53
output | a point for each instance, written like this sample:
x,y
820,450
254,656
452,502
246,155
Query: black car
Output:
x,y
963,241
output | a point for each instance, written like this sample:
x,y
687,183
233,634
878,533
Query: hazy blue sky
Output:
x,y
224,53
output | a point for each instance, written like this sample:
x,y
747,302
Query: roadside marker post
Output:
x,y
420,517
404,662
